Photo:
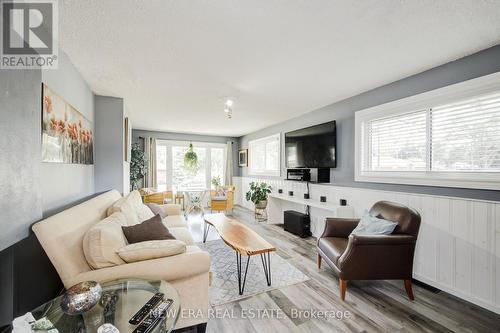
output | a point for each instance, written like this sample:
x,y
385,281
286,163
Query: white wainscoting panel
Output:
x,y
458,247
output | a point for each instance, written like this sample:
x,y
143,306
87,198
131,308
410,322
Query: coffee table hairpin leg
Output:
x,y
266,263
241,284
206,229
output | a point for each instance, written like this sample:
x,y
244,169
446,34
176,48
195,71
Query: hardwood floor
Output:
x,y
370,306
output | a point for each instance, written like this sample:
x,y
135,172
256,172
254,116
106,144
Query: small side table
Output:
x,y
178,198
120,300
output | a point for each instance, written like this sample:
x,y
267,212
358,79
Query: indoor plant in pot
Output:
x,y
138,166
258,195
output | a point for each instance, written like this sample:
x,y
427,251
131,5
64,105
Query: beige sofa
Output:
x,y
62,235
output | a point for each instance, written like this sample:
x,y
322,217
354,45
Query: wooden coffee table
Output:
x,y
244,241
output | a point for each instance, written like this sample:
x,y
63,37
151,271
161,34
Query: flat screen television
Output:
x,y
312,147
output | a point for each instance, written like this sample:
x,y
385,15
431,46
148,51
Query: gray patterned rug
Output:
x,y
224,286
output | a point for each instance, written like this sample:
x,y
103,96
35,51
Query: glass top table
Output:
x,y
120,300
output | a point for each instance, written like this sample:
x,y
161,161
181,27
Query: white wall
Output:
x,y
458,247
65,184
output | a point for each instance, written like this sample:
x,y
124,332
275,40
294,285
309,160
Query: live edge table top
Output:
x,y
238,236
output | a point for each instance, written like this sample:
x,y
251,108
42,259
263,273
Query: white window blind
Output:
x,y
466,135
398,143
446,137
264,156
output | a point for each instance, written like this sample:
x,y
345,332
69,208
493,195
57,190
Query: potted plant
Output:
x,y
138,165
216,182
258,194
191,160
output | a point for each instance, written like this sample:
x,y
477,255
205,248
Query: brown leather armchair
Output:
x,y
371,257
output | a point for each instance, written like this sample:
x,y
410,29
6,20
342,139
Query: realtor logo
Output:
x,y
29,34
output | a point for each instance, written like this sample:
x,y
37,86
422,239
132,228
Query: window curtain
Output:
x,y
228,177
150,153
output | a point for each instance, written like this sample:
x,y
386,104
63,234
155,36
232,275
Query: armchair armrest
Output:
x,y
172,209
381,239
339,227
377,257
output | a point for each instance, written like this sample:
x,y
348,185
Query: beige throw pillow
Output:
x,y
135,201
123,206
151,250
103,240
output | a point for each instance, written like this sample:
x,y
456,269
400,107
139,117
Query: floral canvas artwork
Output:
x,y
66,134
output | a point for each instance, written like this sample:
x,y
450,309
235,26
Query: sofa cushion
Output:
x,y
123,206
143,212
152,229
157,209
102,241
333,247
183,234
151,250
175,221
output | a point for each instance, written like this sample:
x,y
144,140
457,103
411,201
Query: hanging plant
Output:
x,y
191,160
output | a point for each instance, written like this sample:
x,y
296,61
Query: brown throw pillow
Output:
x,y
152,229
157,209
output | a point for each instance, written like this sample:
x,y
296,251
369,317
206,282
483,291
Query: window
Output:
x,y
264,156
447,137
171,173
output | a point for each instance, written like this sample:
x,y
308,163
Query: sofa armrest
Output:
x,y
190,263
339,227
172,209
381,239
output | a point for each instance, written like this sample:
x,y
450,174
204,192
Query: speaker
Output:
x,y
297,223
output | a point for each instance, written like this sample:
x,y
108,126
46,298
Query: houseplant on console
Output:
x,y
258,195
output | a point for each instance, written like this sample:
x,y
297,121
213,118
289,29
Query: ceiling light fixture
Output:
x,y
228,109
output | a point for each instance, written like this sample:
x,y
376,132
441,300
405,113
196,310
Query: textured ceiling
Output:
x,y
174,61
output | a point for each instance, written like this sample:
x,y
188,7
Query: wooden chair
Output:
x,y
159,198
222,204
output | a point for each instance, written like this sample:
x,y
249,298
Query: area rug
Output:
x,y
224,286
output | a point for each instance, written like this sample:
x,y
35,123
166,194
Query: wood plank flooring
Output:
x,y
373,306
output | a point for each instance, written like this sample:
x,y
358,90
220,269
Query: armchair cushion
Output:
x,y
333,247
151,250
371,225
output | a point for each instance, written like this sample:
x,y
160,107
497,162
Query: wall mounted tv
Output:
x,y
312,147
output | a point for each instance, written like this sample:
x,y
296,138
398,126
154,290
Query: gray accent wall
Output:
x,y
476,65
20,188
138,134
20,153
64,184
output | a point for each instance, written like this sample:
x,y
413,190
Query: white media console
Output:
x,y
278,203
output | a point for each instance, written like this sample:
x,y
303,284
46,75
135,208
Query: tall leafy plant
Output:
x,y
191,160
138,165
258,192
